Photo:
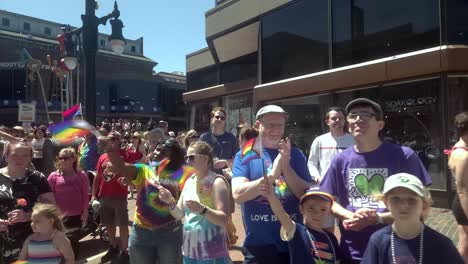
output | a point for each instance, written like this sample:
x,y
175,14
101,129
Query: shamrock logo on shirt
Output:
x,y
369,186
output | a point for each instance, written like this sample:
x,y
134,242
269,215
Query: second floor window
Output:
x,y
47,31
26,27
5,22
133,49
102,43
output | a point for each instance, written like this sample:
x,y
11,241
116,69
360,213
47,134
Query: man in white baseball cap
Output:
x,y
263,243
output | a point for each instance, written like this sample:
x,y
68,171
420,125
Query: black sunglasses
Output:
x,y
190,157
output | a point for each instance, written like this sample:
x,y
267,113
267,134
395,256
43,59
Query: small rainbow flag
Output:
x,y
248,151
71,113
68,131
181,175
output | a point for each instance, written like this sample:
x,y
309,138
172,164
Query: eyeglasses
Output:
x,y
220,117
190,157
273,125
366,116
64,158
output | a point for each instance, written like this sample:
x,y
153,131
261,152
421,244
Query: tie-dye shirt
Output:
x,y
151,212
88,156
203,240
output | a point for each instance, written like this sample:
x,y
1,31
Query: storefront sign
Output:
x,y
26,112
410,102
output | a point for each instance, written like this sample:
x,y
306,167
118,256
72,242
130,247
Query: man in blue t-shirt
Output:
x,y
360,171
262,243
225,145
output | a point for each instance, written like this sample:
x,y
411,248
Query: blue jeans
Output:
x,y
161,246
225,260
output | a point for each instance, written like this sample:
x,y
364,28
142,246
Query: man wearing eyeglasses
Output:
x,y
263,243
360,171
224,144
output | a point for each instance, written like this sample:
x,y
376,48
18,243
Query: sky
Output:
x,y
171,29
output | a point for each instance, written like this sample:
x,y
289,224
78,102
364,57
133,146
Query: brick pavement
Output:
x,y
439,219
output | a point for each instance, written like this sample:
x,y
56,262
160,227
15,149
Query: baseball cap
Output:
x,y
267,109
365,101
315,191
404,180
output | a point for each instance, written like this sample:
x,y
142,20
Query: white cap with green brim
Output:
x,y
404,180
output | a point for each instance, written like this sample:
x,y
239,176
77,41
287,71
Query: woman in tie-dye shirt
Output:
x,y
156,236
205,204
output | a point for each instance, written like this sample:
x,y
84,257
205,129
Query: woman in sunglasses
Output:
x,y
206,206
20,189
71,191
156,236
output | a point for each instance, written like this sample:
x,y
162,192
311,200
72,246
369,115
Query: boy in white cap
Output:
x,y
408,239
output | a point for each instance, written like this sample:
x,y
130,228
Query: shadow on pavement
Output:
x,y
92,247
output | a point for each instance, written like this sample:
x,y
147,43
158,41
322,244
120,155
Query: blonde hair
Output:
x,y
427,201
50,211
72,154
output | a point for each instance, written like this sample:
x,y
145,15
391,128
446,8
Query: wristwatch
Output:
x,y
379,219
203,212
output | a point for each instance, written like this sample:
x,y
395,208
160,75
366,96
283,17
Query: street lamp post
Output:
x,y
89,32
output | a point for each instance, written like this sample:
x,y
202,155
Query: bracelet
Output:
x,y
172,205
379,219
203,212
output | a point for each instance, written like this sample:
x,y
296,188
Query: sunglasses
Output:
x,y
64,158
190,157
220,117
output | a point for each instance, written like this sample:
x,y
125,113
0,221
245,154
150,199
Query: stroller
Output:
x,y
93,226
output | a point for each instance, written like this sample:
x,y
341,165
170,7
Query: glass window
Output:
x,y
295,40
203,78
242,68
47,31
102,43
457,24
5,22
413,118
26,26
306,119
365,30
239,107
133,48
457,102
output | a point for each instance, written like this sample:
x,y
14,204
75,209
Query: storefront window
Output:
x,y
364,30
202,116
457,102
413,118
203,78
306,119
239,107
457,24
295,40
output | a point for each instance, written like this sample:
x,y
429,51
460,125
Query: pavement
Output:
x,y
91,250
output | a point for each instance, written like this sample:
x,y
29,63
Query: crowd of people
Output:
x,y
369,190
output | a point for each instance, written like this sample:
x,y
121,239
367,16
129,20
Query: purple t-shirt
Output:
x,y
353,176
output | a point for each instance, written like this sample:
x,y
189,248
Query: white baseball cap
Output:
x,y
404,180
267,109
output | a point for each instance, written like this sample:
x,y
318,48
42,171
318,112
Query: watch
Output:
x,y
203,212
379,219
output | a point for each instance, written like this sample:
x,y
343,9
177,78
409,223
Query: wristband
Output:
x,y
203,212
172,205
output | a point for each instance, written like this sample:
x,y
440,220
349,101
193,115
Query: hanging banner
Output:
x,y
26,112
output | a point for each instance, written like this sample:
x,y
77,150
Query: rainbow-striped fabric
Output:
x,y
69,131
249,152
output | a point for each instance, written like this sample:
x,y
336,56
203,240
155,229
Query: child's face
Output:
x,y
404,204
315,210
41,224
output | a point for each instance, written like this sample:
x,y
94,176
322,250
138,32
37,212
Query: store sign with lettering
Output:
x,y
411,102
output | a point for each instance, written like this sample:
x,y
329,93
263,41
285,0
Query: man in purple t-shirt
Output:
x,y
361,170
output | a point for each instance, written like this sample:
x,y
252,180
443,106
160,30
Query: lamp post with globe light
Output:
x,y
89,32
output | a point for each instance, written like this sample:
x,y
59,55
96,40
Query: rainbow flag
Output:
x,y
69,131
71,113
249,151
181,175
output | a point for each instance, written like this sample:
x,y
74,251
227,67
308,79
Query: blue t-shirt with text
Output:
x,y
262,226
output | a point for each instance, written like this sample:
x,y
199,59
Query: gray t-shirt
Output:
x,y
224,146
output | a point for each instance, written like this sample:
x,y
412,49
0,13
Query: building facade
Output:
x,y
410,56
126,85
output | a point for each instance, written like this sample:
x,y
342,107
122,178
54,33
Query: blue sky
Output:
x,y
170,28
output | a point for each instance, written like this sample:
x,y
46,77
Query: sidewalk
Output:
x,y
439,219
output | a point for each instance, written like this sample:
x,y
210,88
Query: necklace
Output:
x,y
421,245
314,246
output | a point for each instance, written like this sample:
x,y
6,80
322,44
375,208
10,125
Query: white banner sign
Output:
x,y
26,112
